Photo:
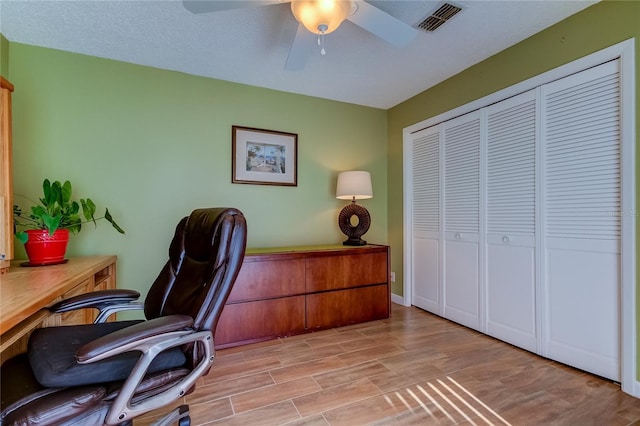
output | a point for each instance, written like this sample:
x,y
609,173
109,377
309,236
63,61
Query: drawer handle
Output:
x,y
458,236
505,239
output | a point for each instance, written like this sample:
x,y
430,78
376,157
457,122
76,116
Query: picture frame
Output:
x,y
264,157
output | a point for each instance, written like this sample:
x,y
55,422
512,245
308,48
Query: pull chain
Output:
x,y
322,28
321,44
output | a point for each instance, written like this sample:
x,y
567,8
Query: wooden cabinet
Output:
x,y
281,292
26,292
6,188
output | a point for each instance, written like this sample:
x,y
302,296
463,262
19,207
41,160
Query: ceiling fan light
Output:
x,y
316,13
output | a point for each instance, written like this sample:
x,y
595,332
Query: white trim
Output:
x,y
626,52
628,313
399,300
407,178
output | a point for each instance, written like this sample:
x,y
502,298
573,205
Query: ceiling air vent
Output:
x,y
439,17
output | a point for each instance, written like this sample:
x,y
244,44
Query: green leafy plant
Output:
x,y
56,210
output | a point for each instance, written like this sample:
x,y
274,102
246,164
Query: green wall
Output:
x,y
593,29
152,145
4,56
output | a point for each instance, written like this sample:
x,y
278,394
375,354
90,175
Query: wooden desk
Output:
x,y
285,291
25,292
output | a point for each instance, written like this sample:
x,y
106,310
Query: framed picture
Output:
x,y
264,157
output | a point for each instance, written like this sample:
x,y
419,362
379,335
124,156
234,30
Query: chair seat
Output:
x,y
24,401
54,364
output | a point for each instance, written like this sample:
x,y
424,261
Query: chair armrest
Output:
x,y
121,341
124,407
95,299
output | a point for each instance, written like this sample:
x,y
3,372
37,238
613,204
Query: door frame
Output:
x,y
625,52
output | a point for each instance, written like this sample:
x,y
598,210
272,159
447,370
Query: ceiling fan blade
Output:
x,y
301,48
205,6
382,25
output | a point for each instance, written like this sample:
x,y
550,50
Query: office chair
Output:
x,y
111,372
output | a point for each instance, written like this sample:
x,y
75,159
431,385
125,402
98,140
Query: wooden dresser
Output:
x,y
25,292
285,291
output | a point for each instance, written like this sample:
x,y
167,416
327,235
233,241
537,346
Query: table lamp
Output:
x,y
354,185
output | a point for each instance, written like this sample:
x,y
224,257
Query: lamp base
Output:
x,y
354,242
354,232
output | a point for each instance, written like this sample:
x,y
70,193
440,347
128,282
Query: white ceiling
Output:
x,y
250,45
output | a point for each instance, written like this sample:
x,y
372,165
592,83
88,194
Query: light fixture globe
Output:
x,y
321,16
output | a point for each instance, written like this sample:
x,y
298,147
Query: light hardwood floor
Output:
x,y
411,369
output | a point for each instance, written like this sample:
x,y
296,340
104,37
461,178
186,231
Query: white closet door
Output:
x,y
581,126
461,219
511,201
427,290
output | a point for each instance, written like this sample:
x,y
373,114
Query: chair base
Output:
x,y
180,415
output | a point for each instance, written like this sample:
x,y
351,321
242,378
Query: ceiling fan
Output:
x,y
317,18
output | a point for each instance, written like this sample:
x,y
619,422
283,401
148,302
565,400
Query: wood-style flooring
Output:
x,y
412,369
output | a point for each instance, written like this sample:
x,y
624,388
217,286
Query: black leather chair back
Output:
x,y
205,256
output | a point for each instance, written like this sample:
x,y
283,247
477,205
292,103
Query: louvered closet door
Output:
x,y
582,229
461,218
511,225
426,220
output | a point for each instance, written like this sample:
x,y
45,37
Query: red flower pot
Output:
x,y
45,249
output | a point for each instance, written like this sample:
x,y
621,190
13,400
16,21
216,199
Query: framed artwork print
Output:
x,y
264,157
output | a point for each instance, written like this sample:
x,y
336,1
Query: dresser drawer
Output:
x,y
268,279
336,272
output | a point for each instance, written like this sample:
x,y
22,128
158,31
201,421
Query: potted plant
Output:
x,y
44,231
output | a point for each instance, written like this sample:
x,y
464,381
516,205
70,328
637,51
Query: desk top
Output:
x,y
26,290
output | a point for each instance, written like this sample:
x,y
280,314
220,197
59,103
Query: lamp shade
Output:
x,y
354,185
320,16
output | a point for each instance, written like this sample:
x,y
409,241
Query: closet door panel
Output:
x,y
583,310
582,228
462,220
462,303
511,224
511,294
426,276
